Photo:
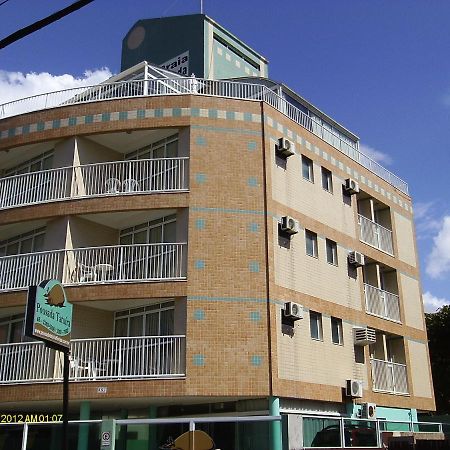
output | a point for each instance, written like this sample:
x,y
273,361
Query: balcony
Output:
x,y
375,235
389,377
382,303
95,265
94,180
121,358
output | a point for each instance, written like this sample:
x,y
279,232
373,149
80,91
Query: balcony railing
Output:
x,y
95,359
188,86
120,263
382,303
94,180
375,235
389,377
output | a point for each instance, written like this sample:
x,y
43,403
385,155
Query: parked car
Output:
x,y
356,435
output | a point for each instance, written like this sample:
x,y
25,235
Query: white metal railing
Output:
x,y
120,263
95,359
382,303
388,376
375,235
92,180
182,86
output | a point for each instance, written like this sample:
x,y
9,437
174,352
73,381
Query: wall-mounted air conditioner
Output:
x,y
369,411
364,336
354,388
351,186
293,310
285,147
289,225
356,259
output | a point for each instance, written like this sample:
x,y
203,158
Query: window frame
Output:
x,y
336,324
327,180
147,227
309,165
36,237
316,317
334,252
313,239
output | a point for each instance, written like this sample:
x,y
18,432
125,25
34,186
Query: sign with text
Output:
x,y
49,314
179,64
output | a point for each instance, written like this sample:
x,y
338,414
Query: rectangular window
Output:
x,y
154,232
311,243
307,169
327,180
315,325
165,148
41,162
332,257
336,331
30,242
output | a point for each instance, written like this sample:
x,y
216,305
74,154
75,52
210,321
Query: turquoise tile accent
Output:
x,y
25,129
199,314
140,114
176,112
255,360
56,124
230,115
73,121
40,126
123,115
106,117
11,132
89,118
158,112
251,145
212,113
199,360
252,182
200,140
253,227
200,178
248,116
195,112
255,316
200,264
200,224
253,266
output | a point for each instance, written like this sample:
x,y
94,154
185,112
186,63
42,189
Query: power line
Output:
x,y
42,23
3,2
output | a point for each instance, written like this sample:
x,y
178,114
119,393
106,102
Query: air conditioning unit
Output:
x,y
369,411
351,186
354,388
364,336
289,225
356,259
285,147
293,310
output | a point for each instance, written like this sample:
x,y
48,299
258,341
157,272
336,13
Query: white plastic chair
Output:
x,y
112,186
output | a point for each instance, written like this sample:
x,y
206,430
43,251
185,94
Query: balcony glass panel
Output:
x,y
389,377
382,303
375,235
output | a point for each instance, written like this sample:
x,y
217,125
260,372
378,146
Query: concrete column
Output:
x,y
83,430
152,414
122,438
275,427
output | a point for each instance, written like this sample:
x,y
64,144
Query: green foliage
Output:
x,y
438,327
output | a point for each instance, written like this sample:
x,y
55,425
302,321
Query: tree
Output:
x,y
438,328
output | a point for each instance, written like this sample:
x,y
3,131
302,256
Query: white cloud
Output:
x,y
432,303
438,261
16,85
376,155
426,222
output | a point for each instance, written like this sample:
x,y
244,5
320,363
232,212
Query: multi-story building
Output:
x,y
228,251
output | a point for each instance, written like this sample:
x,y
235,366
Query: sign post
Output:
x,y
48,318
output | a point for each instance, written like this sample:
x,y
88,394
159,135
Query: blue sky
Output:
x,y
379,67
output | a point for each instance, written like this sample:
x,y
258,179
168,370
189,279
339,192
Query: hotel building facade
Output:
x,y
227,249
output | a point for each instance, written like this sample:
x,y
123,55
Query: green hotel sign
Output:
x,y
49,314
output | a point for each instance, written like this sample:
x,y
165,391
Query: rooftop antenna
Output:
x,y
201,6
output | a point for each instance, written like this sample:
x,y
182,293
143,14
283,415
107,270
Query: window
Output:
x,y
153,232
311,243
332,257
30,242
327,180
315,325
336,331
153,320
165,148
41,162
307,169
11,329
